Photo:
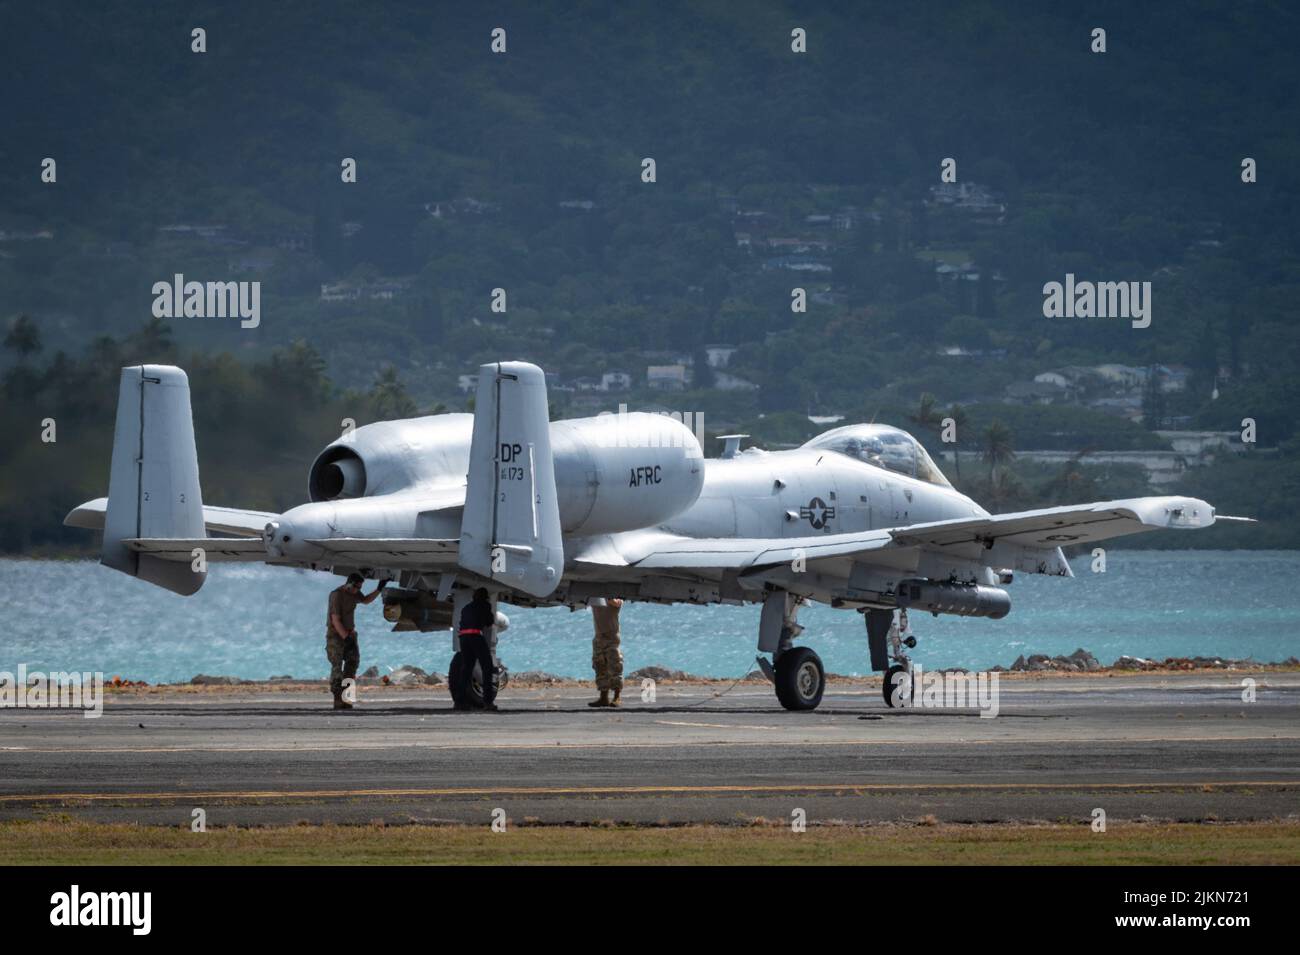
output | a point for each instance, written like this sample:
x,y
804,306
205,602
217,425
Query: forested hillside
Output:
x,y
523,171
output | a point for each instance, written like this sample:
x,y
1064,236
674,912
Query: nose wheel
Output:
x,y
888,640
800,679
898,688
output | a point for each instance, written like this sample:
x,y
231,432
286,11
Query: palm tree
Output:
x,y
925,415
388,396
997,451
959,418
1072,483
929,417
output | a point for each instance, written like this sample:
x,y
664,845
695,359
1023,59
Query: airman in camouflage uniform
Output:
x,y
606,657
341,635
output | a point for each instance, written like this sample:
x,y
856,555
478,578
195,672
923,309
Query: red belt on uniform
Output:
x,y
473,633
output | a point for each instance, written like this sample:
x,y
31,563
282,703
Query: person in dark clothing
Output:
x,y
476,622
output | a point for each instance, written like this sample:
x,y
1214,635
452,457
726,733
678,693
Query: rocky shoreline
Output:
x,y
1079,662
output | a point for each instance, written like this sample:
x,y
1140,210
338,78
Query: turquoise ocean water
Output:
x,y
255,622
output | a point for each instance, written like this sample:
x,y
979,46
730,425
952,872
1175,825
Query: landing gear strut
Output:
x,y
796,672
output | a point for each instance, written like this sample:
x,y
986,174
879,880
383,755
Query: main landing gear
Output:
x,y
473,697
800,679
796,672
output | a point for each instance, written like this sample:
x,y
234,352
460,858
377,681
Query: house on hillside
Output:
x,y
719,355
1125,377
1034,393
666,377
967,197
1125,406
724,381
1173,377
615,381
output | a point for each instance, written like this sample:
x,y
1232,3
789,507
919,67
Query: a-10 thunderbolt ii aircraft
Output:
x,y
547,513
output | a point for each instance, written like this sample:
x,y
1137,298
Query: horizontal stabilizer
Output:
x,y
234,521
214,548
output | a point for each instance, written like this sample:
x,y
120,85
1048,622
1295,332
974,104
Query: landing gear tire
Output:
x,y
800,679
889,684
455,678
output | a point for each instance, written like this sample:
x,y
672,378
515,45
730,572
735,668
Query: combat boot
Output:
x,y
614,701
603,701
338,701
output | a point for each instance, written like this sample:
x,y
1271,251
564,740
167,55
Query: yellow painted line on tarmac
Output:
x,y
639,790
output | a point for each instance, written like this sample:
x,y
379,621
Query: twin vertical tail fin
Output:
x,y
153,490
510,530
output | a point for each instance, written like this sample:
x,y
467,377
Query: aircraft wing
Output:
x,y
688,553
1060,526
1037,531
234,521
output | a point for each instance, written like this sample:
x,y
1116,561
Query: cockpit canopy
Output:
x,y
883,447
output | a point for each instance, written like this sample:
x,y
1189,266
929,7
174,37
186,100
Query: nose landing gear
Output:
x,y
886,638
898,688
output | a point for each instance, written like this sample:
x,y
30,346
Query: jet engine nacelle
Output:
x,y
390,456
623,472
612,472
965,600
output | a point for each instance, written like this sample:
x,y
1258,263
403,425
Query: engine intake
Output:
x,y
338,473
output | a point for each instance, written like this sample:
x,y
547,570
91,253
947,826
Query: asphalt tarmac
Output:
x,y
1180,747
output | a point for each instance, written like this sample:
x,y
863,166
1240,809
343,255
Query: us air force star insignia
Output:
x,y
817,513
